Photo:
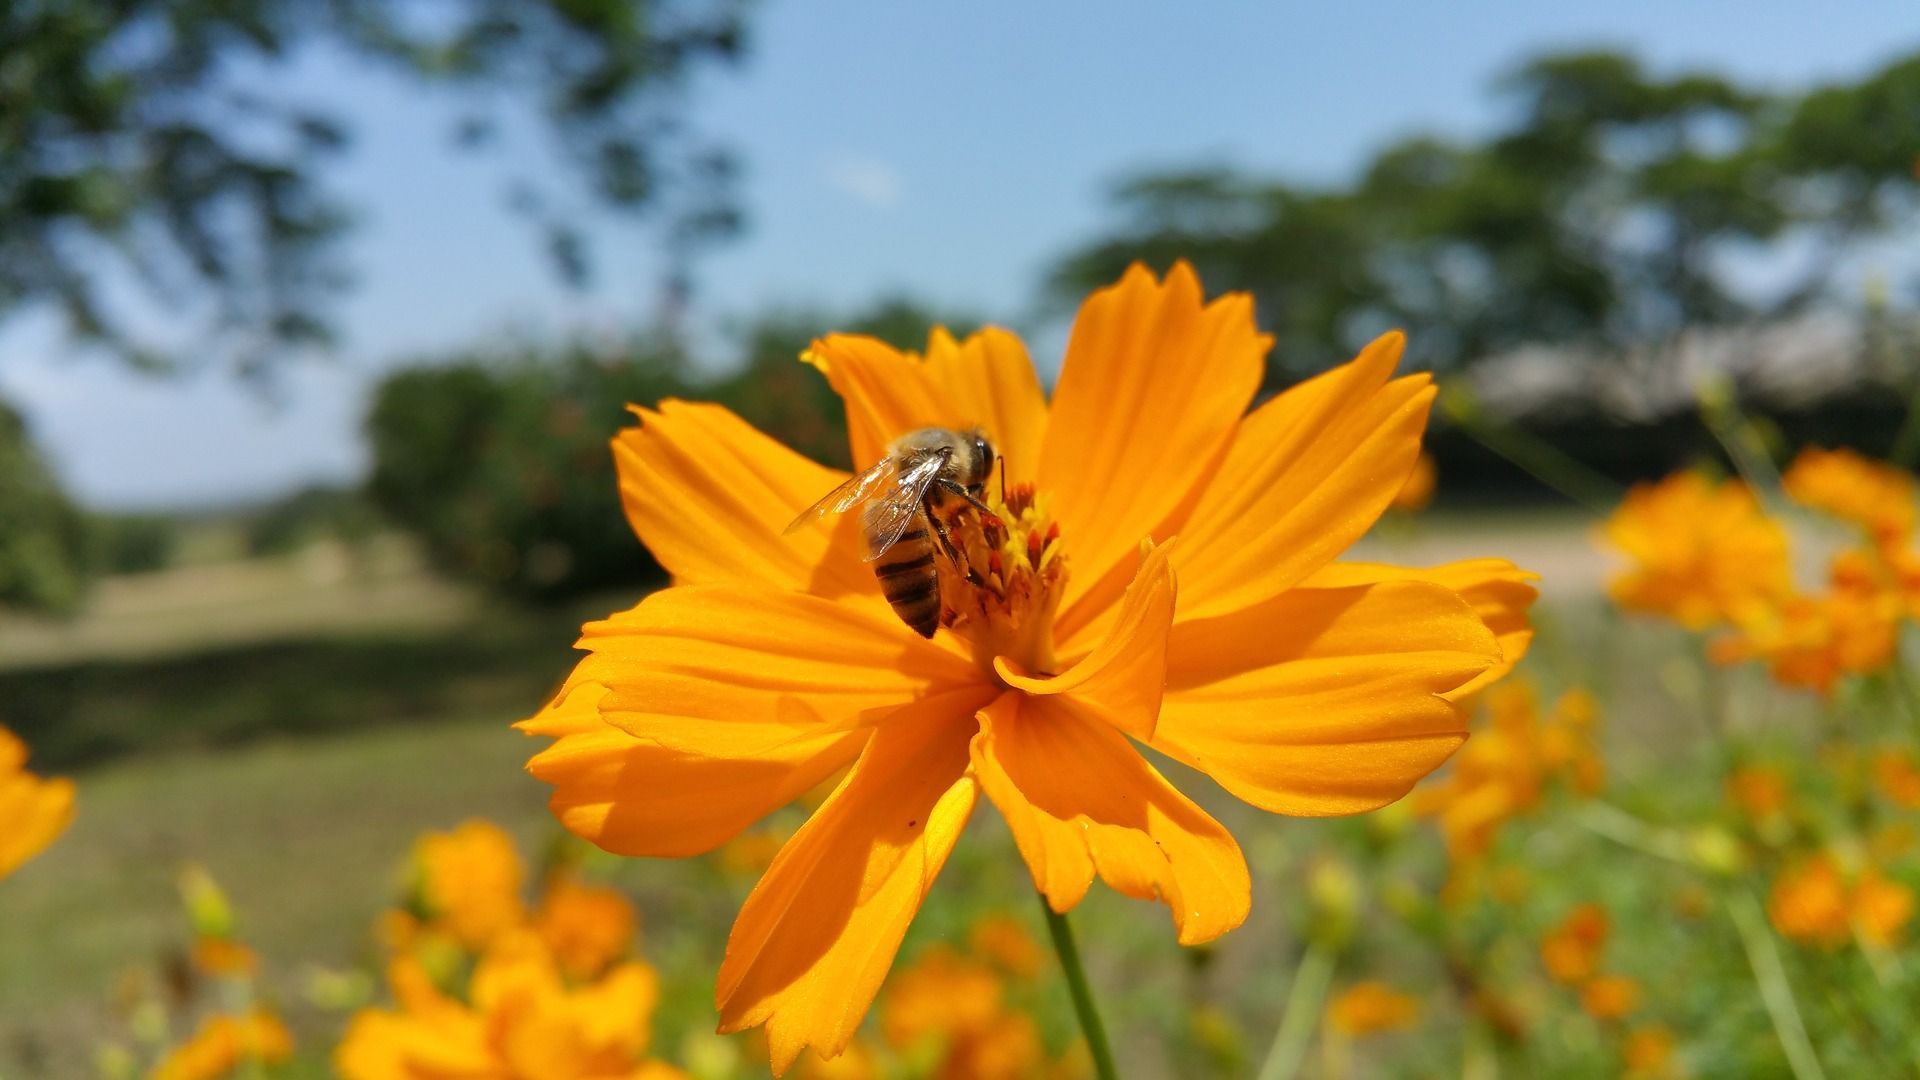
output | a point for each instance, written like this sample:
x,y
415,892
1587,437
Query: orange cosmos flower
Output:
x,y
1881,908
1001,939
225,1044
1368,1008
223,957
1417,492
1571,950
1240,648
1815,903
1702,552
587,927
956,1004
33,811
1808,903
1648,1051
522,1022
1759,791
1874,495
1812,641
1609,997
470,881
1505,771
1897,775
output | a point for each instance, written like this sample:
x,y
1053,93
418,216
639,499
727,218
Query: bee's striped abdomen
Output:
x,y
910,580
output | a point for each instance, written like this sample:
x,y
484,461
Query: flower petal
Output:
x,y
1152,387
1080,800
711,497
33,811
1324,701
734,672
1122,680
1308,474
814,940
1498,591
986,381
634,796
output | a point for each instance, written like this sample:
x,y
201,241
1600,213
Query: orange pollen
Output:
x,y
1003,600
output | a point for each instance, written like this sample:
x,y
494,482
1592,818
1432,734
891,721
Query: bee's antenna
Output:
x,y
1003,479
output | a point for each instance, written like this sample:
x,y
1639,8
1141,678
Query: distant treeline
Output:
x,y
1617,207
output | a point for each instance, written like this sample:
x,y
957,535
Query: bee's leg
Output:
x,y
953,551
953,487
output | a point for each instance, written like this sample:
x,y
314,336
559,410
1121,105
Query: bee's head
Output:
x,y
983,456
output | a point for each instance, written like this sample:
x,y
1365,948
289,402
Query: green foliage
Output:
x,y
499,464
501,467
316,513
1603,212
43,536
148,135
131,543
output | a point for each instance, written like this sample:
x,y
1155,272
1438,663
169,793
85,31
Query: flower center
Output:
x,y
1003,604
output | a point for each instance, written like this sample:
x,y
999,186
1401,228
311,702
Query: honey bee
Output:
x,y
905,499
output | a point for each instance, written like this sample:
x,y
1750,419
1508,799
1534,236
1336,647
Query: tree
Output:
x,y
43,536
135,147
1604,213
498,462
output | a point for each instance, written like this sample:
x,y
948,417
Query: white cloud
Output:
x,y
867,180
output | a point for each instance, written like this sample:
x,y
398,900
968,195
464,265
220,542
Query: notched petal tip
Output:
x,y
1082,802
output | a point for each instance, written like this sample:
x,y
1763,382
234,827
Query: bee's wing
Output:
x,y
858,488
892,509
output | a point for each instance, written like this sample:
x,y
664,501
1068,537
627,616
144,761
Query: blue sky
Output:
x,y
946,151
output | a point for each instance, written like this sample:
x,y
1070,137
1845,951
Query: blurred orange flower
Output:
x,y
470,880
586,927
1417,492
224,957
1759,791
955,1003
1648,1051
1874,495
1881,908
521,1022
1002,940
1810,641
33,811
1808,903
1702,552
1506,768
1897,776
1302,686
1609,997
1815,903
1368,1008
224,1045
1571,950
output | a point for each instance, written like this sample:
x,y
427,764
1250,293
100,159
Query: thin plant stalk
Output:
x,y
1081,992
1775,989
1540,459
1309,991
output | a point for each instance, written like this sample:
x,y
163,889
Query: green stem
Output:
x,y
1623,828
1062,935
1775,990
1540,459
1303,1010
